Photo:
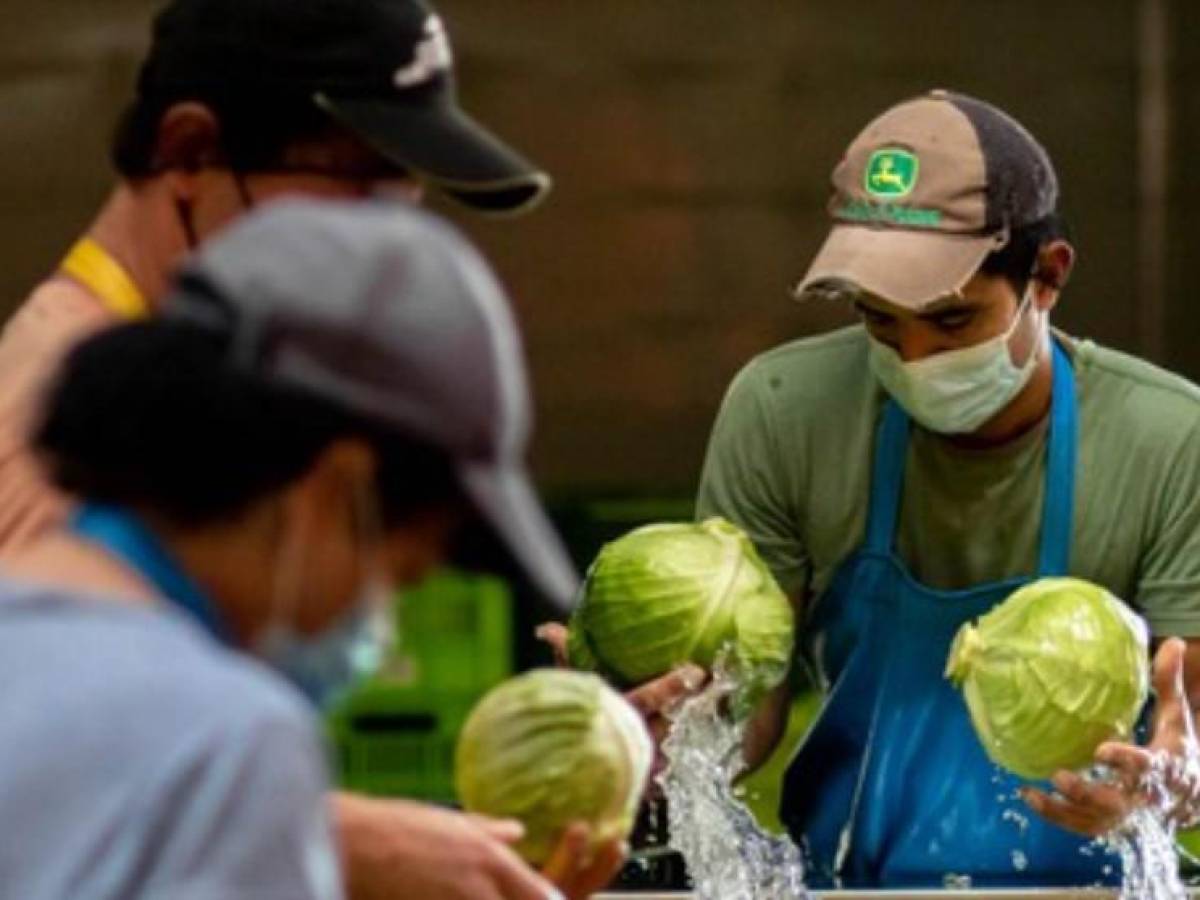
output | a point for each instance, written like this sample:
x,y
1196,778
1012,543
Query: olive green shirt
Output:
x,y
790,460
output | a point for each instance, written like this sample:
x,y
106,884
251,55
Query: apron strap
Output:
x,y
887,478
1058,505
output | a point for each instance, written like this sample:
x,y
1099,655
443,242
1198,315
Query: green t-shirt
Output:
x,y
790,459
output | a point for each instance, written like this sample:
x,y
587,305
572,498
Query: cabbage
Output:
x,y
664,595
551,747
1051,673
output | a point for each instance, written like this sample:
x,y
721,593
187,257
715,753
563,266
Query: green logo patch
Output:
x,y
891,173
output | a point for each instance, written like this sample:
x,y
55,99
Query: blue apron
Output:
x,y
892,787
125,537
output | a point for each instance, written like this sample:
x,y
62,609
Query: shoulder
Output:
x,y
144,664
813,363
1135,395
828,368
58,311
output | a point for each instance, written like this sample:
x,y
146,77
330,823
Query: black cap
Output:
x,y
382,68
389,313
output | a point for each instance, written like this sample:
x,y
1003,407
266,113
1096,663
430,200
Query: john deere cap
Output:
x,y
924,193
383,68
388,312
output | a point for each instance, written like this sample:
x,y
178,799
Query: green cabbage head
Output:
x,y
663,595
552,747
1050,674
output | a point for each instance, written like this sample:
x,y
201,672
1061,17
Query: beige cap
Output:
x,y
924,194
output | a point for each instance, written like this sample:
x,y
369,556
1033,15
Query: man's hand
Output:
x,y
1096,808
395,849
654,699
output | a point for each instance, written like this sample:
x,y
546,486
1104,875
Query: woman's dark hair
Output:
x,y
1015,260
152,416
254,131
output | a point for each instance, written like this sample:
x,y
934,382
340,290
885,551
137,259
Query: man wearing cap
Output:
x,y
240,102
904,475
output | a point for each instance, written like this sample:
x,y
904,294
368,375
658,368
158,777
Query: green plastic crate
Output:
x,y
395,734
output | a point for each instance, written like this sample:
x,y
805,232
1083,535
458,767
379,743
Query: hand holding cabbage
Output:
x,y
1050,674
667,595
551,748
1055,679
1095,808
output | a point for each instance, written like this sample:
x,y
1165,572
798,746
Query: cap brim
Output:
x,y
440,142
906,267
506,500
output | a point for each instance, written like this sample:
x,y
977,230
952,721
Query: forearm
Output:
x,y
767,726
1191,674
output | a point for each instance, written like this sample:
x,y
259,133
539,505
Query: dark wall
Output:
x,y
692,142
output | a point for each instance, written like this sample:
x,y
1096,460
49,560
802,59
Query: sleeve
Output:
x,y
246,819
744,480
1168,589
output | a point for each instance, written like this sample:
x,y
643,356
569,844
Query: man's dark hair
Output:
x,y
254,131
152,416
1015,261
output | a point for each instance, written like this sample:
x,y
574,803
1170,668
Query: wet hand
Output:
x,y
1172,757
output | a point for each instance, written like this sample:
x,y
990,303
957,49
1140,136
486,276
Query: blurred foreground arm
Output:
x,y
399,848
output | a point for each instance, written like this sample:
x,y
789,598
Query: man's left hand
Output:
x,y
1095,808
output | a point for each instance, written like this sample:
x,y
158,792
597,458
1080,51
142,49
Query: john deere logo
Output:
x,y
891,173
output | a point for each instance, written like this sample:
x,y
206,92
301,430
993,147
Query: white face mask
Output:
x,y
958,391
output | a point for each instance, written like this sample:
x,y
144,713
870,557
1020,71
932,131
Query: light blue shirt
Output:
x,y
141,759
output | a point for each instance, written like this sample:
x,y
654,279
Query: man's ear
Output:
x,y
188,139
1055,260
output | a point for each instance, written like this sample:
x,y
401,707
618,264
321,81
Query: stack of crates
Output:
x,y
395,734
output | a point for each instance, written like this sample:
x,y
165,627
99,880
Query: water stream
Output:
x,y
729,857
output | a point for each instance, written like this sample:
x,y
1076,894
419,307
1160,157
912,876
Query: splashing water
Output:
x,y
1145,841
729,857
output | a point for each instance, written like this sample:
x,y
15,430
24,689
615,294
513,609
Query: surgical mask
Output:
x,y
958,391
326,666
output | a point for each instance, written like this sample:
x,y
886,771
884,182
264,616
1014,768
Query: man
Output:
x,y
258,469
902,476
240,102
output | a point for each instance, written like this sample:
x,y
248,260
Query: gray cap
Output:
x,y
389,312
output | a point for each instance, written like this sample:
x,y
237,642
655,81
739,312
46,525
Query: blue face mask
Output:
x,y
328,665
